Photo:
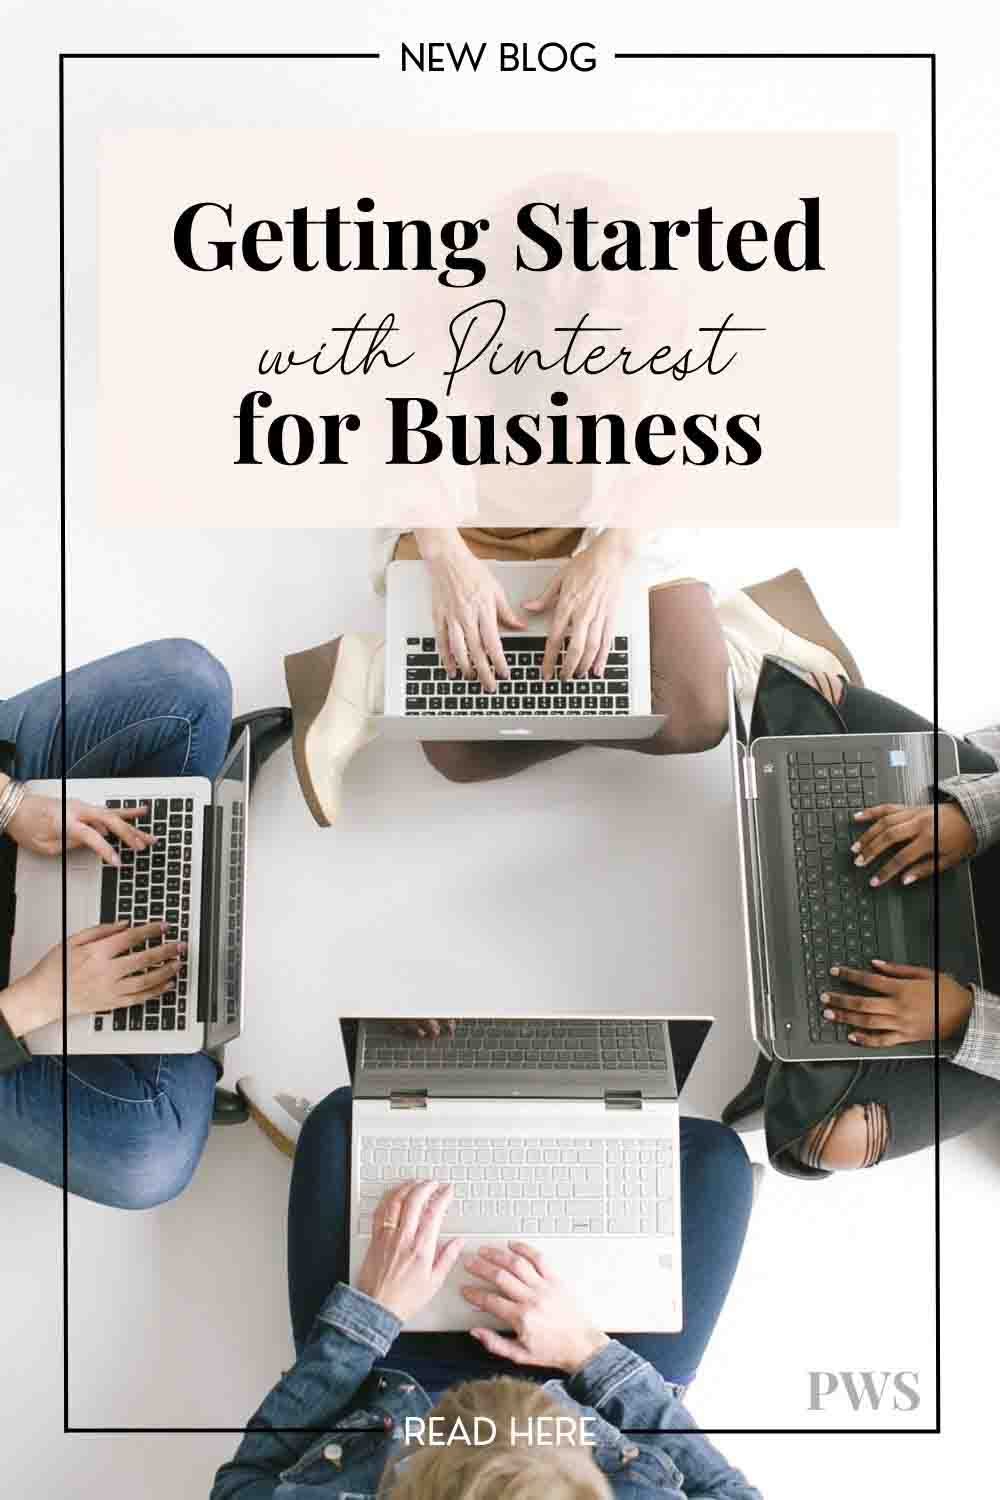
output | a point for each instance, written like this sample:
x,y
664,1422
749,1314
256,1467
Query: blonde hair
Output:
x,y
502,1469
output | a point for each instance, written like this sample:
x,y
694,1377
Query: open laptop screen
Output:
x,y
523,1056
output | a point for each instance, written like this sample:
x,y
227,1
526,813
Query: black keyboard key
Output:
x,y
120,1021
615,674
418,674
621,643
522,643
135,1018
414,705
421,659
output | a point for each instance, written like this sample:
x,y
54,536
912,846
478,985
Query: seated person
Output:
x,y
357,1368
337,690
136,1124
831,1116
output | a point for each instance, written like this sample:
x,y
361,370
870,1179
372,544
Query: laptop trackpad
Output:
x,y
623,1285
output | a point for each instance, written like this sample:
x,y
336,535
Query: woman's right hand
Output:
x,y
528,1298
405,1264
102,974
469,608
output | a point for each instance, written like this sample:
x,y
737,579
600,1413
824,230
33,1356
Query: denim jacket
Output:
x,y
354,1415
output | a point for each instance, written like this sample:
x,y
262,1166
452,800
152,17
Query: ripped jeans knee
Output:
x,y
852,1138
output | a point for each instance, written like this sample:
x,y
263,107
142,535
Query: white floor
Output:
x,y
603,880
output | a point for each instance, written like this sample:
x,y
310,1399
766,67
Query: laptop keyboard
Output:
x,y
530,1185
490,1043
837,910
429,690
152,885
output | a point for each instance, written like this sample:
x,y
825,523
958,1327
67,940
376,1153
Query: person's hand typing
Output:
x,y
902,1005
910,831
107,967
406,1262
469,607
583,597
37,825
522,1291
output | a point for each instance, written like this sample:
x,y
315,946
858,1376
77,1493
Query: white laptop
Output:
x,y
421,702
193,878
561,1131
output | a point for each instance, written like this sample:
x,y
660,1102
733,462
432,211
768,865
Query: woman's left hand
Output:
x,y
37,825
583,597
902,1007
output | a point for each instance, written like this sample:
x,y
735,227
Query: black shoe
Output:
x,y
751,1096
270,728
229,1108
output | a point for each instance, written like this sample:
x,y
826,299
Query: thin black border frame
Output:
x,y
928,57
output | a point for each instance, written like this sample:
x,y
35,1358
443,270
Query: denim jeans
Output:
x,y
715,1207
136,1125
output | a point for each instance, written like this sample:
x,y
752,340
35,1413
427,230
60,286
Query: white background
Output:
x,y
178,1315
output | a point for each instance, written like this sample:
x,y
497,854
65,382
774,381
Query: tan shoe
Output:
x,y
337,692
280,1116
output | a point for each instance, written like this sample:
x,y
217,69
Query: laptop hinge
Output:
x,y
622,1098
408,1099
749,778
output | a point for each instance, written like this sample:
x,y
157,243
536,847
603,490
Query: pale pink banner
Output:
x,y
688,330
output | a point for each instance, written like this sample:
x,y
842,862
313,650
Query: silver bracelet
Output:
x,y
13,795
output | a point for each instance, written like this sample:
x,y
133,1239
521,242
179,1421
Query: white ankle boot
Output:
x,y
337,692
751,634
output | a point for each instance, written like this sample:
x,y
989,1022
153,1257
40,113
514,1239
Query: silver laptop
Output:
x,y
421,702
561,1131
193,878
806,906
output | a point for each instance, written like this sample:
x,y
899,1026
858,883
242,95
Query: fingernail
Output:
x,y
116,859
908,879
835,969
828,1015
858,816
879,961
860,859
874,880
855,848
824,999
852,1036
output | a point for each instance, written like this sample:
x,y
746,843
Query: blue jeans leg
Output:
x,y
137,1125
162,709
715,1207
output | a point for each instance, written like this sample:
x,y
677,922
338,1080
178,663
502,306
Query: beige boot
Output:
x,y
336,692
780,618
